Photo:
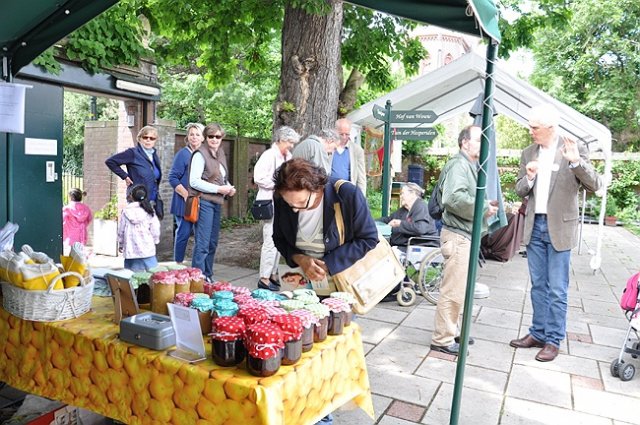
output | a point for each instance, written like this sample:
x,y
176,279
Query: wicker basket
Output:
x,y
51,304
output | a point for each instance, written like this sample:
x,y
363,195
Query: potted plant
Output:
x,y
105,229
610,212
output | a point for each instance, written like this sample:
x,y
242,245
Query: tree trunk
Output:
x,y
349,94
309,82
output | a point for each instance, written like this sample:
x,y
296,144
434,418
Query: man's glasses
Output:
x,y
148,138
293,207
216,136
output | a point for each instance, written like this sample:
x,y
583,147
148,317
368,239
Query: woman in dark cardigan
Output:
x,y
179,180
142,164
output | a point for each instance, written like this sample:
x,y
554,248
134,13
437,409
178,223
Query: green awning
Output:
x,y
29,27
477,17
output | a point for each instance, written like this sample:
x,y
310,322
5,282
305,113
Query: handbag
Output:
x,y
262,210
192,208
158,206
373,276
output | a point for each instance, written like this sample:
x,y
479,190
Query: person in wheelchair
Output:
x,y
411,219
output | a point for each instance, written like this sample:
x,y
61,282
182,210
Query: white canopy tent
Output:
x,y
452,90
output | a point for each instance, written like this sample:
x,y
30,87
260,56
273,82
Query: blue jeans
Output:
x,y
140,264
549,270
327,420
182,237
207,232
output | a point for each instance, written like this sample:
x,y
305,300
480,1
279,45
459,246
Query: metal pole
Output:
x,y
487,116
7,76
584,207
386,162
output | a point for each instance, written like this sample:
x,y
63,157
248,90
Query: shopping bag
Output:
x,y
372,277
192,208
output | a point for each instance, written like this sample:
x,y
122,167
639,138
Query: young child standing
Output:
x,y
139,230
76,217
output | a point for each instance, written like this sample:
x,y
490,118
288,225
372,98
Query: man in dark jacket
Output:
x,y
411,219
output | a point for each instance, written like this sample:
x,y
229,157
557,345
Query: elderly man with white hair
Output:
x,y
552,170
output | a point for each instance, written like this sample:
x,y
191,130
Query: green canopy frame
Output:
x,y
27,31
477,17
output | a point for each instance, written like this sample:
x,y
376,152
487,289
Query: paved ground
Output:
x,y
504,386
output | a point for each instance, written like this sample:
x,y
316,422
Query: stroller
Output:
x,y
630,303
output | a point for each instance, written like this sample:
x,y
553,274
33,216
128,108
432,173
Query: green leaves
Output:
x,y
593,64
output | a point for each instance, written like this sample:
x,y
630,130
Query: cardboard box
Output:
x,y
64,415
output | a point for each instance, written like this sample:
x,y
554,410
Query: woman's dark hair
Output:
x,y
76,194
138,193
299,174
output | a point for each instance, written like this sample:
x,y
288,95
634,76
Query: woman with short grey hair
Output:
x,y
271,159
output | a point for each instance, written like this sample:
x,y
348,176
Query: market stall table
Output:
x,y
83,363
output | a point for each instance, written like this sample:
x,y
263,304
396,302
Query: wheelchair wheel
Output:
x,y
431,275
406,296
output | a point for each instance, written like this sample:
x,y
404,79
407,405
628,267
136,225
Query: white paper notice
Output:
x,y
47,147
12,108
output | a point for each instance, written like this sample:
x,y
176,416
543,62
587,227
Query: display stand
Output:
x,y
124,297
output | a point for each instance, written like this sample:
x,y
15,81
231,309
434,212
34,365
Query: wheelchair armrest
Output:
x,y
431,241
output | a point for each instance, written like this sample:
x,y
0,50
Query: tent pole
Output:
x,y
386,162
476,235
7,77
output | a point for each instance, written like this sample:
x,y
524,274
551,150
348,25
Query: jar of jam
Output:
x,y
221,285
224,308
338,311
253,315
350,300
290,305
183,281
264,294
309,321
204,307
227,345
321,311
222,296
264,342
292,329
163,290
196,280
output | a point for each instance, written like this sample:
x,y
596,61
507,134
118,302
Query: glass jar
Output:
x,y
161,294
307,338
264,343
336,322
227,344
205,321
320,330
263,367
228,353
292,352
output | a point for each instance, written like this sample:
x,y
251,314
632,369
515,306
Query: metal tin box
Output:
x,y
149,330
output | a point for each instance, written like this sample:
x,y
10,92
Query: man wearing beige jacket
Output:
x,y
552,170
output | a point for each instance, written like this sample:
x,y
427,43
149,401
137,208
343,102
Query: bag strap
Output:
x,y
338,212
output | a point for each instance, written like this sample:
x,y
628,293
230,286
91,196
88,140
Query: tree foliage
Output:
x,y
594,64
114,38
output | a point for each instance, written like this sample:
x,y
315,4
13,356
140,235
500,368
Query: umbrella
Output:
x,y
490,167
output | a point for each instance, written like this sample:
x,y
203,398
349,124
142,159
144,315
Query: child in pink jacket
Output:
x,y
139,231
76,217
